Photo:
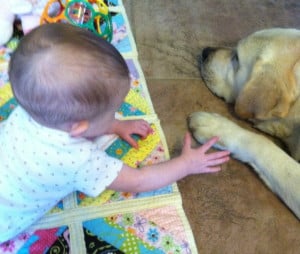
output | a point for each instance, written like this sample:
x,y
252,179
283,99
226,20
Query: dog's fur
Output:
x,y
261,77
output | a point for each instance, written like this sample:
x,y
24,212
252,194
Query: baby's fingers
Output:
x,y
131,141
187,141
217,161
209,144
217,155
143,129
212,169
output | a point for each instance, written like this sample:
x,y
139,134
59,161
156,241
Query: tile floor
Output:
x,y
231,211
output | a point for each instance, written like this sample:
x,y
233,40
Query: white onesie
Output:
x,y
39,166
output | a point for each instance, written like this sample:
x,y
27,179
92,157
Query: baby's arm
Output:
x,y
125,128
191,161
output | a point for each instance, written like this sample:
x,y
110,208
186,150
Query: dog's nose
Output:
x,y
206,52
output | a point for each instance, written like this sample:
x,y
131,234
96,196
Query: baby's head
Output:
x,y
62,74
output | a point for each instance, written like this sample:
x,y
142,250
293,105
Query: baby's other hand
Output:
x,y
126,128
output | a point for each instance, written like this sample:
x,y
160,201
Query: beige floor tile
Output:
x,y
231,211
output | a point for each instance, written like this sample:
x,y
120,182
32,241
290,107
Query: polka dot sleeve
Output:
x,y
98,173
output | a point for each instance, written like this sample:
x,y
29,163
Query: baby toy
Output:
x,y
90,14
9,9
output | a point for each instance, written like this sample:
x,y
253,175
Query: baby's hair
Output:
x,y
61,73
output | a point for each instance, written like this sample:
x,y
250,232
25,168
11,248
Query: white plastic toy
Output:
x,y
28,11
8,10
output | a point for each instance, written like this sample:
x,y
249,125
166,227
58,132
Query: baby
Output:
x,y
69,83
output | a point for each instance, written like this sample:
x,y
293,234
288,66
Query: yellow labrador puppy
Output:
x,y
261,77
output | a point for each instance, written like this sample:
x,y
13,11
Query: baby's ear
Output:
x,y
78,128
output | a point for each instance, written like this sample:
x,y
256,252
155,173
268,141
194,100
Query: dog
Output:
x,y
261,78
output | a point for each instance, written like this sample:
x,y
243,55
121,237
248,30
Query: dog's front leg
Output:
x,y
278,170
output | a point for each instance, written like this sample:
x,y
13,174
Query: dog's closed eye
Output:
x,y
235,61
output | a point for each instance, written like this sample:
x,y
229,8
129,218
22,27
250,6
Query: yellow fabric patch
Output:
x,y
5,94
146,146
137,101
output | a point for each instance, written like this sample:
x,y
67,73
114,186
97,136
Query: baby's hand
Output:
x,y
198,161
126,128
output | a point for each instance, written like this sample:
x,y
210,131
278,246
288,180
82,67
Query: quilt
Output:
x,y
113,222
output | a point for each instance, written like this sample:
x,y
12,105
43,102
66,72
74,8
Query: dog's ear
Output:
x,y
267,94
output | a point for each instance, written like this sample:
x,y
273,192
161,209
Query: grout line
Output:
x,y
174,78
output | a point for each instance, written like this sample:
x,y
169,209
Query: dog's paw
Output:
x,y
206,125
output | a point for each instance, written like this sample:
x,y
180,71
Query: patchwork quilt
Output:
x,y
114,222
